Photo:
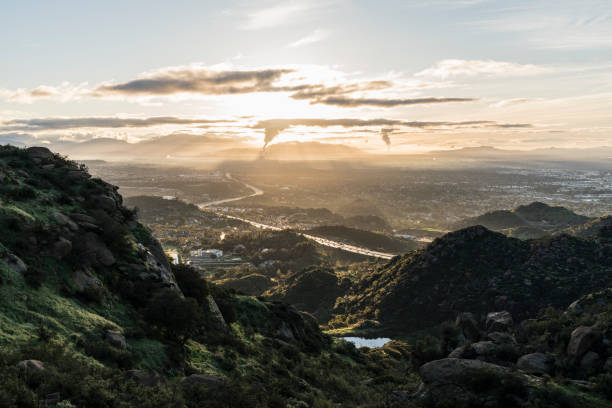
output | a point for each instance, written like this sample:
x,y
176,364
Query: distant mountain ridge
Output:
x,y
527,221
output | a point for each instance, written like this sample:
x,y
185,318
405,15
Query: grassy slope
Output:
x,y
50,322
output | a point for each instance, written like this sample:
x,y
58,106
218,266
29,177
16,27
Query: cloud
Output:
x,y
343,101
317,91
314,37
62,93
98,122
514,101
16,139
280,14
513,125
195,79
455,67
569,25
319,85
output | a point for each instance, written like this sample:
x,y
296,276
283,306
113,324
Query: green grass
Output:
x,y
148,354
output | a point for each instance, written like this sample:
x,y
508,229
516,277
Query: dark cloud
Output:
x,y
99,122
208,82
196,80
514,125
318,91
347,102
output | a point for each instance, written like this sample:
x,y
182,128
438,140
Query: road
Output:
x,y
256,192
319,240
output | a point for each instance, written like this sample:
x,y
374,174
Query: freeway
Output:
x,y
256,192
319,240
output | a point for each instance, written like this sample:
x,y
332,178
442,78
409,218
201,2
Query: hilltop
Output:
x,y
476,270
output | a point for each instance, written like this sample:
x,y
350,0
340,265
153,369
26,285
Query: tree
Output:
x,y
175,316
191,282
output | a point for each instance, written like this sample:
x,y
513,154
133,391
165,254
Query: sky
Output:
x,y
384,76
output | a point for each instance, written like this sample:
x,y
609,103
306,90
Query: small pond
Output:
x,y
364,342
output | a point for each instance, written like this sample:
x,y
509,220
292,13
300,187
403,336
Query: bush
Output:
x,y
175,316
425,350
191,282
603,385
19,193
34,276
114,234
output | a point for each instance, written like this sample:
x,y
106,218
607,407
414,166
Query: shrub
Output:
x,y
603,385
175,316
191,282
425,350
19,193
34,276
115,235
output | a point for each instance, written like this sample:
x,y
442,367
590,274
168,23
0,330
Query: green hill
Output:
x,y
92,314
476,270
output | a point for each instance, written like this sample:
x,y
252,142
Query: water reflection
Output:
x,y
372,343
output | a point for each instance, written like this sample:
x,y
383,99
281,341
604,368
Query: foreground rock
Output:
x,y
455,382
31,366
203,379
581,340
146,378
456,370
499,321
116,339
535,363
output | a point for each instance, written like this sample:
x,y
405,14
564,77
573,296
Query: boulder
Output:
x,y
61,248
484,349
84,281
499,321
400,395
77,217
64,220
465,351
203,379
105,202
158,268
468,325
31,366
590,363
97,250
535,363
215,313
39,152
576,307
457,371
77,175
146,378
15,263
116,339
581,340
502,338
607,367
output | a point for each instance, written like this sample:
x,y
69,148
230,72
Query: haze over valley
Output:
x,y
306,204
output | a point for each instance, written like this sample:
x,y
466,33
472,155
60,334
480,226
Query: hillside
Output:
x,y
476,270
527,221
92,314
